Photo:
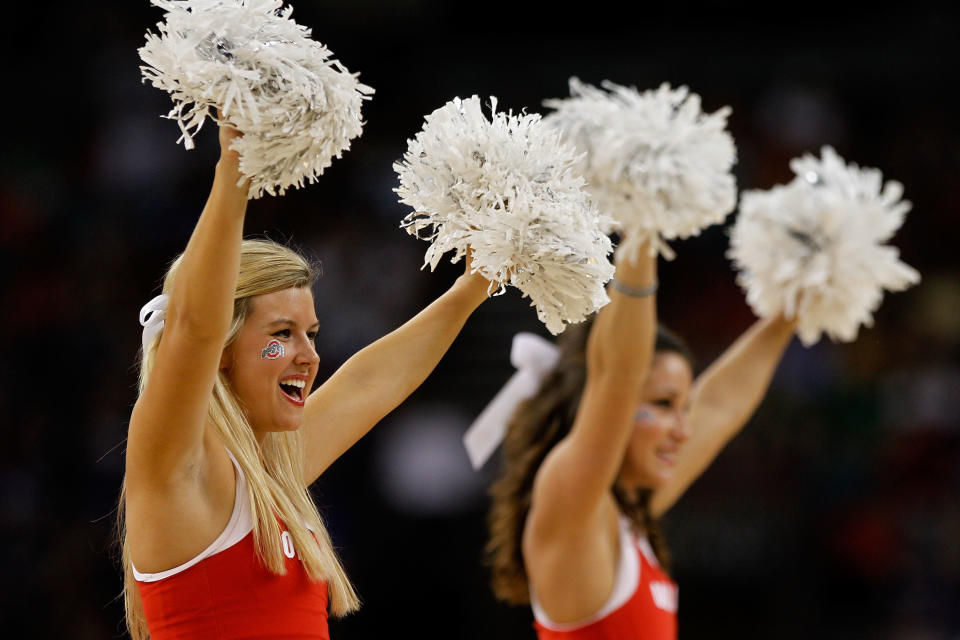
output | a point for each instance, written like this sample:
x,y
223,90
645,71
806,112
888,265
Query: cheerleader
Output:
x,y
615,428
220,536
615,434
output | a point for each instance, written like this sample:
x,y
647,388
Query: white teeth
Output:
x,y
294,383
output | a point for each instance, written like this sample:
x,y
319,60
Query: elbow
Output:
x,y
197,327
618,370
627,362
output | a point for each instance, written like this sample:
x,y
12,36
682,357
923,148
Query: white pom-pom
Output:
x,y
507,189
812,249
657,164
296,107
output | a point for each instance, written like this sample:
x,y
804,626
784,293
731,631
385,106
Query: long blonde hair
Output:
x,y
274,469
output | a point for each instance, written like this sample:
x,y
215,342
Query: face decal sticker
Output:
x,y
272,351
643,415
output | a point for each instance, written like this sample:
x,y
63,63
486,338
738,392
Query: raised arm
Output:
x,y
378,378
165,437
723,399
580,471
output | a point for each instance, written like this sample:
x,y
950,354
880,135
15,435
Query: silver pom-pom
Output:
x,y
657,164
813,249
507,189
296,107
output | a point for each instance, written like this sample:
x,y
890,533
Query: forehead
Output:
x,y
295,303
670,369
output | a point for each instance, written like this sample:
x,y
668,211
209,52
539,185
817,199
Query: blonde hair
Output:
x,y
274,469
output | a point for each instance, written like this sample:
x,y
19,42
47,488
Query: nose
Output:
x,y
681,430
306,353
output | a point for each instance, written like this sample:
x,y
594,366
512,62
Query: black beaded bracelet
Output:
x,y
634,293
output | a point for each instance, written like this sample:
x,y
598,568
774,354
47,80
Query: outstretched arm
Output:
x,y
723,399
167,425
378,378
580,471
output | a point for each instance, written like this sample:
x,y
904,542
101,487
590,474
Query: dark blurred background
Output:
x,y
835,514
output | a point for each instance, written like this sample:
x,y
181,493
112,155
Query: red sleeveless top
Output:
x,y
226,593
232,596
643,605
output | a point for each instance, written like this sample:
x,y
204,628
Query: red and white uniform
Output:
x,y
226,592
642,606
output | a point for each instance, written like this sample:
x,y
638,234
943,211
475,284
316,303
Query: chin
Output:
x,y
278,426
287,426
289,419
663,479
640,482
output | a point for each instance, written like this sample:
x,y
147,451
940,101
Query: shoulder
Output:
x,y
169,521
550,541
572,570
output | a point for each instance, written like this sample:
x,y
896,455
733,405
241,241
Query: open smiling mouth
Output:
x,y
293,390
667,456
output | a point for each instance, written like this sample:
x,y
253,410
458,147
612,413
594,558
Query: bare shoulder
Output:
x,y
572,567
172,520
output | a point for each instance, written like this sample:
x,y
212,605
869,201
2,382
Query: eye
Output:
x,y
664,403
283,333
312,335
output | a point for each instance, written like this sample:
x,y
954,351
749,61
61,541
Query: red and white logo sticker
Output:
x,y
272,351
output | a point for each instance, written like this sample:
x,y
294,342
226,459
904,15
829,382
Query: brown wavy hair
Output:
x,y
537,426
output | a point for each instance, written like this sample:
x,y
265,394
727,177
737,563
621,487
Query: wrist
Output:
x,y
228,175
782,324
634,291
472,287
639,270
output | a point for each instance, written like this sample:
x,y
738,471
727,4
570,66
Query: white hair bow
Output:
x,y
152,316
534,358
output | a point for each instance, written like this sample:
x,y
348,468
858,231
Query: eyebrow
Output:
x,y
289,321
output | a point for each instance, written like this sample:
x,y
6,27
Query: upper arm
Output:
x,y
579,472
336,415
379,377
570,535
167,424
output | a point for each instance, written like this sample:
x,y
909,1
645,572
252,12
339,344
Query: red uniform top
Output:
x,y
227,593
642,606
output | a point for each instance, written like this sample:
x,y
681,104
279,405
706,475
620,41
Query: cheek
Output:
x,y
649,429
253,372
273,350
644,437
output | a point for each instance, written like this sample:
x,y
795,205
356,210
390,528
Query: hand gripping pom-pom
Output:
x,y
296,107
506,188
813,249
653,161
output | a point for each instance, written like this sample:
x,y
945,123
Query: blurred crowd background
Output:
x,y
834,515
